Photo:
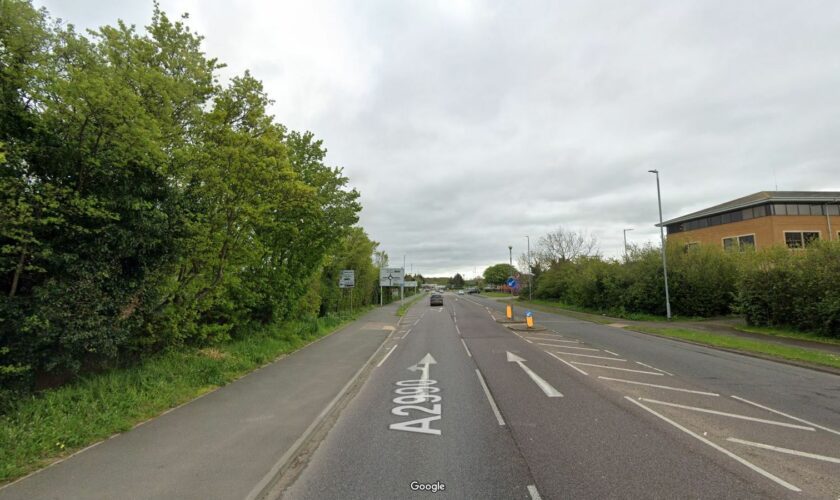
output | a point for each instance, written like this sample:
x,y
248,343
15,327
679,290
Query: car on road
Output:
x,y
460,292
436,299
473,290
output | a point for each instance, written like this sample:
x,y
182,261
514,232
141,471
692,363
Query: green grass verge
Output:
x,y
788,333
748,346
55,423
607,315
408,303
500,295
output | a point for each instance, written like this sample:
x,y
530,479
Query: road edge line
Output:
x,y
490,398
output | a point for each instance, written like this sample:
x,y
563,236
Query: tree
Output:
x,y
563,245
499,273
456,281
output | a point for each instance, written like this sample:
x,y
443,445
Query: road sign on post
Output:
x,y
391,276
410,284
347,279
512,283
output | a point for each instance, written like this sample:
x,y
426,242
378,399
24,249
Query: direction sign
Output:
x,y
347,279
410,284
391,276
511,282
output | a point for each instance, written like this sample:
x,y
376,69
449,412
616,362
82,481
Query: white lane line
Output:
x,y
658,386
590,356
614,354
572,347
490,398
786,415
544,386
386,356
569,364
655,368
725,414
785,450
406,333
457,329
556,340
615,368
523,338
415,323
532,490
726,452
465,347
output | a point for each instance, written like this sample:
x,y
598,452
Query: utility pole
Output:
x,y
402,284
529,265
510,251
625,239
662,238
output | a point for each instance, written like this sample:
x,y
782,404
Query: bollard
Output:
x,y
509,312
529,319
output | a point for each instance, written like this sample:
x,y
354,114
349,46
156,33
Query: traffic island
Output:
x,y
522,327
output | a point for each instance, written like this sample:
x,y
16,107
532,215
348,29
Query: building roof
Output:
x,y
761,198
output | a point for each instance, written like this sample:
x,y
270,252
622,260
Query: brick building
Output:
x,y
767,218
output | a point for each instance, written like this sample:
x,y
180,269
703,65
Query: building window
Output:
x,y
800,239
740,243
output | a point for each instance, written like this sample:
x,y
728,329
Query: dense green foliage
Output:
x,y
498,274
774,287
144,205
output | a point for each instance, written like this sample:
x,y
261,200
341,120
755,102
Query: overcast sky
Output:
x,y
466,125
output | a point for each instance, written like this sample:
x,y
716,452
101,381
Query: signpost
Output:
x,y
410,284
348,280
388,277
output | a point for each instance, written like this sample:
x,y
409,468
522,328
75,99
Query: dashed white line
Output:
x,y
616,368
590,356
457,329
571,347
659,386
406,333
567,363
726,452
785,450
725,414
532,490
490,398
467,349
655,368
386,356
614,354
786,415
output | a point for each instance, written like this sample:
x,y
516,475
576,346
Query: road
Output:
x,y
575,410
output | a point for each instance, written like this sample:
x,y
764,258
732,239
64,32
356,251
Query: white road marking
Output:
x,y
532,490
465,347
386,356
658,386
406,333
785,450
786,415
731,415
457,329
590,356
541,383
570,365
523,338
614,354
490,398
726,452
571,347
615,368
556,340
655,368
415,323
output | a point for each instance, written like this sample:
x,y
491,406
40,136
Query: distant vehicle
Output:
x,y
436,299
460,292
473,290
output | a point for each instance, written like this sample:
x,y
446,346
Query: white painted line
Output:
x,y
658,386
532,490
786,415
731,415
571,347
465,347
569,364
726,452
406,333
457,329
523,338
590,356
490,398
655,368
556,340
615,368
386,356
786,450
415,323
614,354
547,389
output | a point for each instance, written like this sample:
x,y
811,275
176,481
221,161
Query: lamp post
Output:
x,y
625,239
402,284
510,251
528,238
662,238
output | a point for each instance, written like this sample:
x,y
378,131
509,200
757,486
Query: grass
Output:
x,y
55,423
748,346
788,333
606,315
501,295
403,308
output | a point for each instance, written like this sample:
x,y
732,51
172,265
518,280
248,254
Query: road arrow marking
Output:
x,y
541,383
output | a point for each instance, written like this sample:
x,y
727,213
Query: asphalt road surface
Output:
x,y
574,410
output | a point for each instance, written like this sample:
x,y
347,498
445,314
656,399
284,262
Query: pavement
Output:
x,y
451,403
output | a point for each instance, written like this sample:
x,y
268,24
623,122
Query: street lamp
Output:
x,y
527,237
402,285
662,238
625,239
510,251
